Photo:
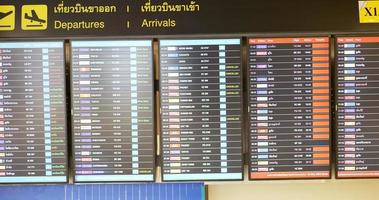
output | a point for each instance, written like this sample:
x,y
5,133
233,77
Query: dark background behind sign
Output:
x,y
214,17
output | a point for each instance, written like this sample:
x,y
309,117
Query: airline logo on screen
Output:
x,y
369,11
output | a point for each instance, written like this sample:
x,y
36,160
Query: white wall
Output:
x,y
296,190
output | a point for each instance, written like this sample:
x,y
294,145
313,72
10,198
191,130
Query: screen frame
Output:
x,y
331,131
66,114
335,60
240,38
154,131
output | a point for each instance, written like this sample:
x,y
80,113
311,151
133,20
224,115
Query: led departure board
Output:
x,y
357,107
289,107
113,110
32,113
201,106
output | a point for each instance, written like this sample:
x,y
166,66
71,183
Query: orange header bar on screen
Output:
x,y
288,40
357,39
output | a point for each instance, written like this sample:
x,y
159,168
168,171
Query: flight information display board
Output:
x,y
32,113
289,107
201,109
357,107
113,110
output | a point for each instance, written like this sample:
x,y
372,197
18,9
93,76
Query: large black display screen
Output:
x,y
357,107
32,113
201,109
289,104
113,109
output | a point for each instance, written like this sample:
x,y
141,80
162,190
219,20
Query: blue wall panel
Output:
x,y
174,191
